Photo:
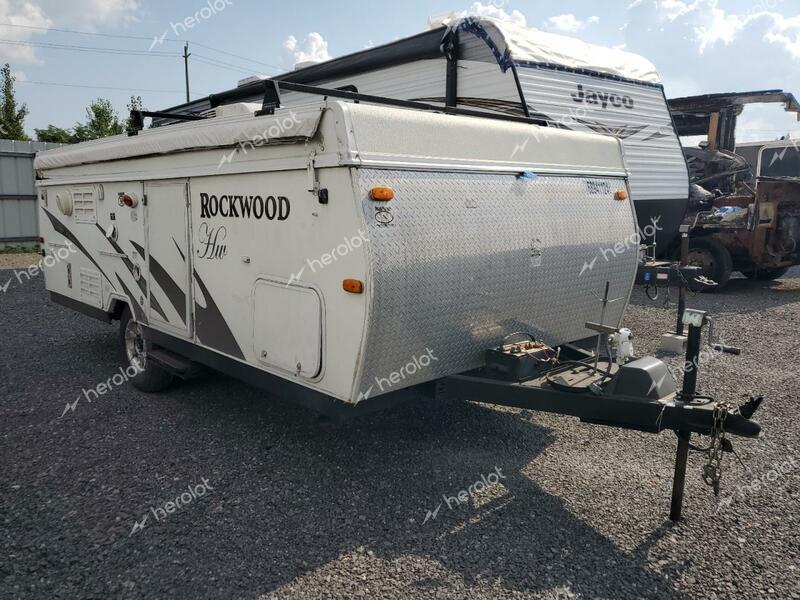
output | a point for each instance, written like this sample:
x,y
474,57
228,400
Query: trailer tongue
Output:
x,y
638,395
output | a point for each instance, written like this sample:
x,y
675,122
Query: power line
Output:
x,y
139,37
95,33
222,63
237,56
226,68
94,49
100,87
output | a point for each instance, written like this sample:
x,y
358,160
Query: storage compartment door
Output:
x,y
288,327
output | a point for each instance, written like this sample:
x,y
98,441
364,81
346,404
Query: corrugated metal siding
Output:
x,y
652,150
18,222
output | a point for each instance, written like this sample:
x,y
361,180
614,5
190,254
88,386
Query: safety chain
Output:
x,y
712,470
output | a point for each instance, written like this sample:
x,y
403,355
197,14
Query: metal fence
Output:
x,y
19,225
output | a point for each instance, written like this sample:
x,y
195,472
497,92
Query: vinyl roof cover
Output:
x,y
526,44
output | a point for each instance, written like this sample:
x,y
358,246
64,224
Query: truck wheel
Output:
x,y
713,258
148,377
765,274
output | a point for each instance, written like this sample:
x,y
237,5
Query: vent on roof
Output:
x,y
231,110
305,64
251,79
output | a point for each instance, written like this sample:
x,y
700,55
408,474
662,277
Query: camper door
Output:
x,y
168,257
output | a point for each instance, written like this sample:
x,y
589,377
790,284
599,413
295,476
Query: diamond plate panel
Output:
x,y
459,261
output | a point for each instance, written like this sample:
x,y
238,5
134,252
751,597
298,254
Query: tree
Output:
x,y
103,122
12,118
134,104
54,134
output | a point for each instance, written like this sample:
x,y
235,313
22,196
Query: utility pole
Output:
x,y
186,56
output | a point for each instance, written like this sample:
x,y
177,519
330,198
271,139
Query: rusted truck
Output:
x,y
744,204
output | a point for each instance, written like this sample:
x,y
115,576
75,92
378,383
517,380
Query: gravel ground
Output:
x,y
18,261
287,505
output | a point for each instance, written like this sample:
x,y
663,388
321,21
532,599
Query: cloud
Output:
x,y
712,24
785,32
314,48
569,23
80,14
89,14
478,9
703,46
20,13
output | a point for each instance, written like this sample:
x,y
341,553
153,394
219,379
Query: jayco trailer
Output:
x,y
346,253
496,66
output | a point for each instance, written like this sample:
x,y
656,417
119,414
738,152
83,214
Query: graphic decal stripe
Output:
x,y
127,261
212,330
175,295
62,229
157,307
138,313
210,326
178,248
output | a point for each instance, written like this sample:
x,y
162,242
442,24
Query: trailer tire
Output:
x,y
148,376
765,274
714,258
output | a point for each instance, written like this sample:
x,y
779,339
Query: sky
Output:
x,y
698,46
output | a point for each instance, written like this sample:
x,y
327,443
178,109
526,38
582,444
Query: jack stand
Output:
x,y
603,329
695,319
675,343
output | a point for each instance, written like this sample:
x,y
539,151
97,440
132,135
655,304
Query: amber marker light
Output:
x,y
620,195
381,194
353,286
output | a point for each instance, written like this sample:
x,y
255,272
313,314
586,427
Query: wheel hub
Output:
x,y
135,347
704,260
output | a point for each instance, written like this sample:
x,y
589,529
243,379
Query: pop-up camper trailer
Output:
x,y
492,65
347,251
245,253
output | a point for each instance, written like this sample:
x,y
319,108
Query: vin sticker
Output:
x,y
598,187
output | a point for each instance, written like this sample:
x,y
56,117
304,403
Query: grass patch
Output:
x,y
20,249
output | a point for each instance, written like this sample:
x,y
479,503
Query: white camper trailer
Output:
x,y
492,65
265,241
348,254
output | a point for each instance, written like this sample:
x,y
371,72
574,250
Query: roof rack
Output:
x,y
138,116
272,89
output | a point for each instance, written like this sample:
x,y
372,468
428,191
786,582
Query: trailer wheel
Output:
x,y
766,274
713,258
148,377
